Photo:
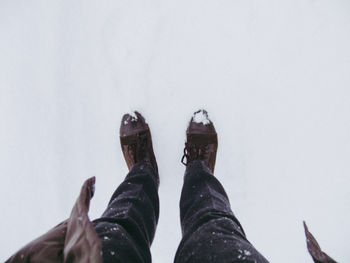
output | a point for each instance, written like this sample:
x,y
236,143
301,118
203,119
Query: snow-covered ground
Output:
x,y
274,76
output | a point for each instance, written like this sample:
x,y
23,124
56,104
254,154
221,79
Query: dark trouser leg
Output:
x,y
128,225
211,232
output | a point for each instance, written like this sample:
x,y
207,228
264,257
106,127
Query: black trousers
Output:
x,y
211,232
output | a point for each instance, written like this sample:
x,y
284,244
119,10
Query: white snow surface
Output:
x,y
273,75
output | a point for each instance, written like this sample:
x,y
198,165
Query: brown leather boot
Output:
x,y
202,140
136,140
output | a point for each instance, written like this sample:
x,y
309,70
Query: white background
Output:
x,y
274,76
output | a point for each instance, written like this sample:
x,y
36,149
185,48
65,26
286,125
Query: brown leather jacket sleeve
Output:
x,y
315,250
74,240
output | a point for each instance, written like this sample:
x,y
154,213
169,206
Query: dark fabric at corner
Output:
x,y
211,232
73,240
128,225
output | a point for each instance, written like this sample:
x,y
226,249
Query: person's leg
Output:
x,y
211,232
128,225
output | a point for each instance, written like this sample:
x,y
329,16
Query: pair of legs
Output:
x,y
211,232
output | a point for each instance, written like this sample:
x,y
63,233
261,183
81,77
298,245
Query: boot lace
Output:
x,y
194,152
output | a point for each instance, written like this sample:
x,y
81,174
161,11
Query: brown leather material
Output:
x,y
201,142
82,243
132,124
136,141
74,240
314,248
202,147
46,248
